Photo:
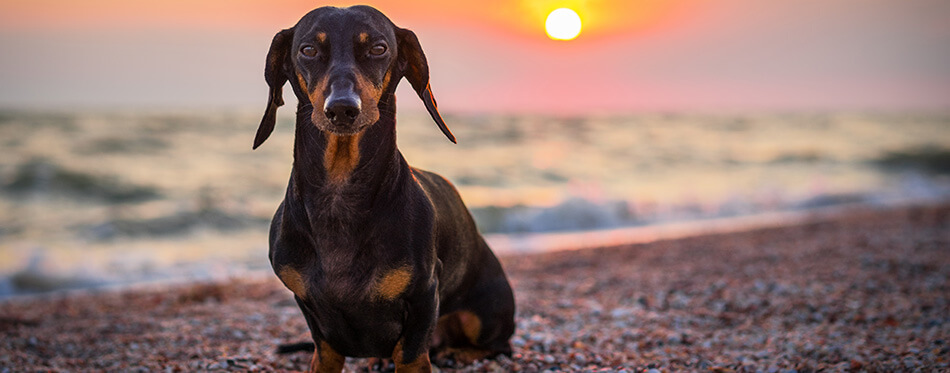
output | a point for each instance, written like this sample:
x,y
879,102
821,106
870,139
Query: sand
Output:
x,y
864,291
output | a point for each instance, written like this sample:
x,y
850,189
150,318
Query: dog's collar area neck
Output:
x,y
372,158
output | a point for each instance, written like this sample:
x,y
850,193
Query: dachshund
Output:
x,y
383,259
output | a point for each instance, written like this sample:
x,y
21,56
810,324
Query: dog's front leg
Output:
x,y
326,360
412,351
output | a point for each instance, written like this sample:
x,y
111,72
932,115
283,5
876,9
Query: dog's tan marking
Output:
x,y
392,283
419,364
342,156
326,360
456,335
459,327
370,95
294,281
315,95
321,37
364,37
303,83
471,326
316,99
386,79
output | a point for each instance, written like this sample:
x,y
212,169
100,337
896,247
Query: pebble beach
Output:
x,y
865,290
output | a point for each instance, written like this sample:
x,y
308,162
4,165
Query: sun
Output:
x,y
563,24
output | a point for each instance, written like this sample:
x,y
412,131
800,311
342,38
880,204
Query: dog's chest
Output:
x,y
381,284
359,311
353,312
346,279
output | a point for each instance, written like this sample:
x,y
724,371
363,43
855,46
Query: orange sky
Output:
x,y
493,55
518,17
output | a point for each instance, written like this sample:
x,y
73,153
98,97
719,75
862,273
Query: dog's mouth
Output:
x,y
348,121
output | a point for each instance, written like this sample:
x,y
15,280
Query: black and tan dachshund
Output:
x,y
383,259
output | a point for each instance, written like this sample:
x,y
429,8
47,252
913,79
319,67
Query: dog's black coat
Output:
x,y
374,250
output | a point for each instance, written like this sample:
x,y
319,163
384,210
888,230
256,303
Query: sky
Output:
x,y
493,56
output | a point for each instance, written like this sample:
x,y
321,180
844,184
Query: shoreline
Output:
x,y
549,242
253,265
863,289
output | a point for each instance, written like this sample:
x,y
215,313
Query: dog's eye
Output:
x,y
308,51
377,50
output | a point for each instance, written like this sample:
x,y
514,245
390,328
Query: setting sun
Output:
x,y
563,24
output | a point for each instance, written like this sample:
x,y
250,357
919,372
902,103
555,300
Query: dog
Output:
x,y
384,260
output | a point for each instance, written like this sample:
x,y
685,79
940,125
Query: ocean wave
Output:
x,y
579,214
930,159
34,278
178,224
571,215
118,145
39,176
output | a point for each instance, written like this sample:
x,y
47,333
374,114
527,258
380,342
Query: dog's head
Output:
x,y
343,61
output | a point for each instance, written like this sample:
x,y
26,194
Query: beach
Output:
x,y
865,290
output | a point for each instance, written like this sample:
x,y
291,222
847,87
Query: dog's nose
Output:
x,y
342,111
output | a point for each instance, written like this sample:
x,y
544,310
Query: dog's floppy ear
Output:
x,y
416,71
275,74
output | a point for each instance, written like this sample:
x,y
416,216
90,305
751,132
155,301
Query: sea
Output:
x,y
107,199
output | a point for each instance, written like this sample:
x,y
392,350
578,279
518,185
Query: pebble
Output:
x,y
518,342
580,358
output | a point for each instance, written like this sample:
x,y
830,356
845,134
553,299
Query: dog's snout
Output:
x,y
342,111
342,106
